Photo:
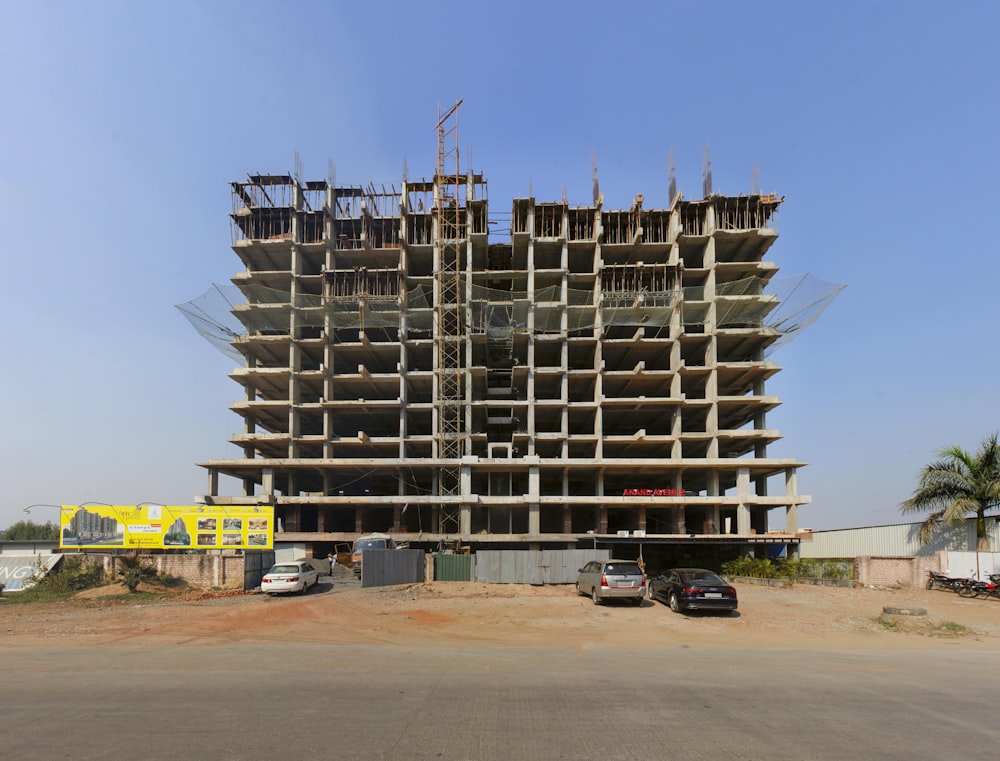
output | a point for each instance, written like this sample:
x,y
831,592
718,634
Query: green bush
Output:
x,y
75,574
788,569
755,568
71,576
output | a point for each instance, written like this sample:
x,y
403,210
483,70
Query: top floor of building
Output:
x,y
281,208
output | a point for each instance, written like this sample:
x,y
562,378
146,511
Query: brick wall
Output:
x,y
895,571
224,571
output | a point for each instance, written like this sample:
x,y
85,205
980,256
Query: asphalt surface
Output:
x,y
307,701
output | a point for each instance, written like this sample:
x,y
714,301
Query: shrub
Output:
x,y
73,574
756,568
133,571
788,569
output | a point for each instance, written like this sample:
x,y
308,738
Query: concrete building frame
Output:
x,y
607,367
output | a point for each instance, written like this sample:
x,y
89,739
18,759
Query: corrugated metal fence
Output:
x,y
533,566
382,568
452,567
255,565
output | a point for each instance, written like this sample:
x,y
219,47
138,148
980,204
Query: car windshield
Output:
x,y
703,577
284,569
370,544
623,569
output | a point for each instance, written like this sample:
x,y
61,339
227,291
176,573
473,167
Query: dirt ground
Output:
x,y
808,617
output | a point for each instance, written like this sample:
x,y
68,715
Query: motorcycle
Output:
x,y
991,588
937,580
975,588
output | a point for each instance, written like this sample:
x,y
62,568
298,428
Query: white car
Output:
x,y
297,576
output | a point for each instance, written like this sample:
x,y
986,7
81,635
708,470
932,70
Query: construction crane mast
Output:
x,y
449,246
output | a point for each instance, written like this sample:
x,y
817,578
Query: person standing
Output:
x,y
333,562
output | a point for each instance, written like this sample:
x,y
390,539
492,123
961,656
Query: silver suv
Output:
x,y
611,579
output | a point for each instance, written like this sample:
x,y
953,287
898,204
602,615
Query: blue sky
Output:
x,y
123,122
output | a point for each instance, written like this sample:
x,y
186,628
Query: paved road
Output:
x,y
301,701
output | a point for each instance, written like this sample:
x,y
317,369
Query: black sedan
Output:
x,y
692,589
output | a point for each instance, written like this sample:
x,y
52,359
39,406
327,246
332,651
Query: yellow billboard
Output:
x,y
166,527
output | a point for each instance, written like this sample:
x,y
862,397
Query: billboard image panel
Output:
x,y
165,527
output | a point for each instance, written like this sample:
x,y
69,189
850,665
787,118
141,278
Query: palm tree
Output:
x,y
958,485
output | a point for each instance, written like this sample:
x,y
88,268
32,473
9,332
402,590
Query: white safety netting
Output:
x,y
226,313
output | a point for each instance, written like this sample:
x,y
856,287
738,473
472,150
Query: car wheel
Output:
x,y
594,597
638,602
675,604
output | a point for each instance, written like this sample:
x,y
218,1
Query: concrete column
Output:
x,y
465,482
534,508
792,511
294,351
743,508
534,523
743,520
465,489
465,519
792,519
711,353
716,521
213,482
534,480
267,482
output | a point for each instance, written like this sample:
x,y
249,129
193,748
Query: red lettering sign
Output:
x,y
652,492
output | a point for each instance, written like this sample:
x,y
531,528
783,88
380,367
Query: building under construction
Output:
x,y
546,376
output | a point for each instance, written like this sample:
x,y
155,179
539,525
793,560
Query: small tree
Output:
x,y
133,571
958,485
28,530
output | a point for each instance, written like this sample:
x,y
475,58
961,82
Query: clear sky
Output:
x,y
121,124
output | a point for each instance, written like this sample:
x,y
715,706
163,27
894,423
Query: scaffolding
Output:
x,y
449,244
